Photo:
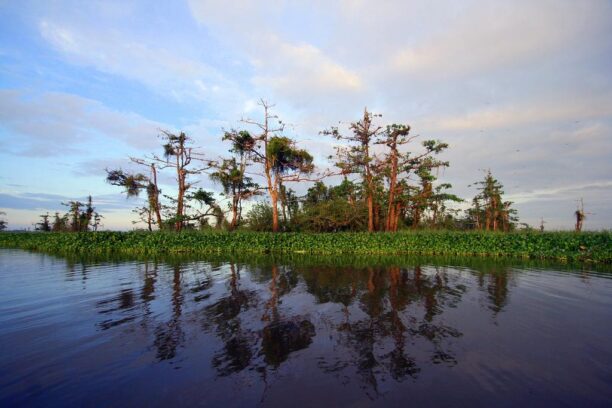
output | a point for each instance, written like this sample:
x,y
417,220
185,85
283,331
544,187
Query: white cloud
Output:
x,y
161,69
558,193
558,109
501,34
296,70
53,123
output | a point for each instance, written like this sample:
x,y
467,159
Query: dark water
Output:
x,y
302,332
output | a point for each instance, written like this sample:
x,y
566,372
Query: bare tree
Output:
x,y
281,160
178,154
357,157
580,215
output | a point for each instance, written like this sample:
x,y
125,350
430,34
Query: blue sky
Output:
x,y
523,88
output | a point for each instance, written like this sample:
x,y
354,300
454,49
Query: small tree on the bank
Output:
x,y
490,212
134,183
59,223
580,215
44,225
3,222
80,214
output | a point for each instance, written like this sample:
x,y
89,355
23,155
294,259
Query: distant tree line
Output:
x,y
80,217
388,182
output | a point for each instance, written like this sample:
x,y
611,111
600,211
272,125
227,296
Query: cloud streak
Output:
x,y
58,124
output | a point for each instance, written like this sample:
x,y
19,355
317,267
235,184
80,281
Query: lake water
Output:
x,y
302,331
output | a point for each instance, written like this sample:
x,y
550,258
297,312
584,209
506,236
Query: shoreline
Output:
x,y
588,247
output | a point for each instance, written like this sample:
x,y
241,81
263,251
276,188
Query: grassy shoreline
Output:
x,y
563,246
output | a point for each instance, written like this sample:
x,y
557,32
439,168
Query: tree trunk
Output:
x,y
149,220
283,200
377,217
494,215
234,213
274,199
156,198
370,213
368,179
180,175
392,187
390,217
416,219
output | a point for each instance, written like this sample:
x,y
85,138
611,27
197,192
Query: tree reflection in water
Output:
x,y
282,335
237,353
169,335
381,322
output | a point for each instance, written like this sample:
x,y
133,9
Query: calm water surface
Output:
x,y
302,331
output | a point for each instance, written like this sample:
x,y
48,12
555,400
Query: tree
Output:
x,y
259,217
60,223
332,215
496,213
178,154
78,218
357,157
437,204
3,223
394,166
74,215
393,137
231,173
397,165
204,199
288,163
580,215
281,160
44,224
134,183
97,221
236,186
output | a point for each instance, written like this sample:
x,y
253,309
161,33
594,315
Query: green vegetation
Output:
x,y
566,246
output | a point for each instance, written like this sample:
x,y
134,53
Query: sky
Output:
x,y
523,88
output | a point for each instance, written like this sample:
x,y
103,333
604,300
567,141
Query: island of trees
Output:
x,y
386,181
383,179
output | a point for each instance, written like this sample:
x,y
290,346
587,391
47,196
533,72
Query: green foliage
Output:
x,y
285,157
202,197
242,141
131,182
489,210
586,246
44,225
332,215
259,218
